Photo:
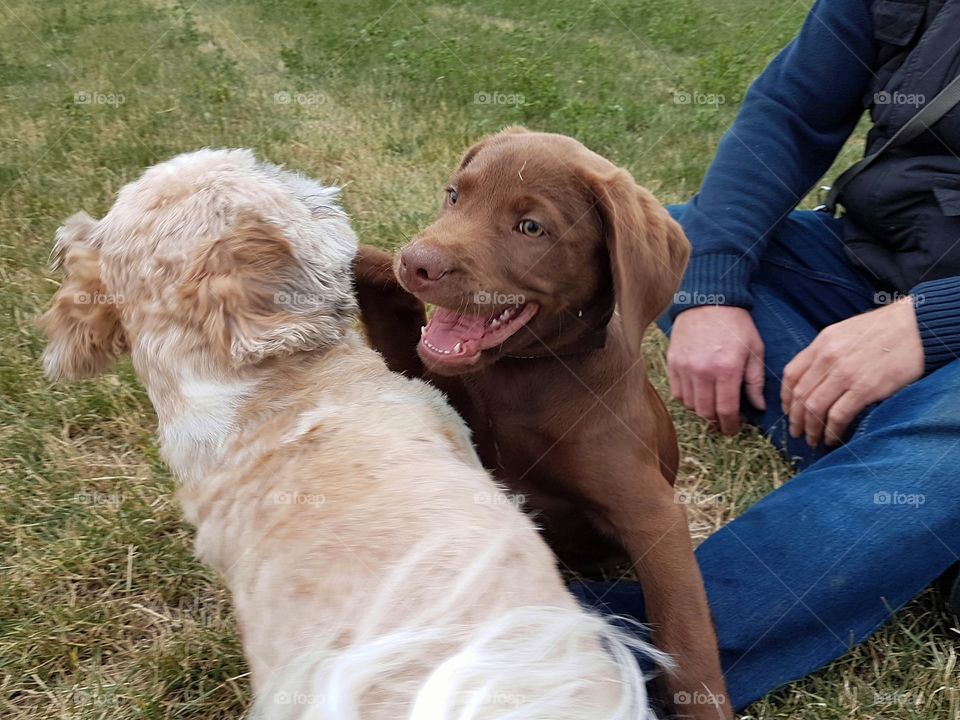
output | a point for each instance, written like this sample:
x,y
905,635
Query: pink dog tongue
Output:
x,y
447,328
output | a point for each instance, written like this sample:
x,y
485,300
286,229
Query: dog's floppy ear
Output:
x,y
252,297
648,250
82,326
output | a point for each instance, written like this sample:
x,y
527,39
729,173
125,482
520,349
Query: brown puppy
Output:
x,y
546,264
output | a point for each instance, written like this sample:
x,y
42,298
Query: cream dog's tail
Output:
x,y
526,663
532,663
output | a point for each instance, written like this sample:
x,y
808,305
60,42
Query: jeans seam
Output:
x,y
862,427
797,336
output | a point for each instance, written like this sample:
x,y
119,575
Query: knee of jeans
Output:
x,y
928,410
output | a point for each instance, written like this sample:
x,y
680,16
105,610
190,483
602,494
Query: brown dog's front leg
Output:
x,y
391,316
657,539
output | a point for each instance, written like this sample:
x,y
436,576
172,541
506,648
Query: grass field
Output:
x,y
103,611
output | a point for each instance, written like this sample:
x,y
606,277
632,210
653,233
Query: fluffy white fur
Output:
x,y
376,572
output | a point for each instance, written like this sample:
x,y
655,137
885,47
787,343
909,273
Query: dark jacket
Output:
x,y
903,212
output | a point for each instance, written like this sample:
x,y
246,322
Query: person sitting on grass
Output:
x,y
837,335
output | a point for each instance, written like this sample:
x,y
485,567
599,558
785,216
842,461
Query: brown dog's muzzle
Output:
x,y
467,321
420,267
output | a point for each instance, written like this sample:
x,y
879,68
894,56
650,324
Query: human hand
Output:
x,y
714,351
848,366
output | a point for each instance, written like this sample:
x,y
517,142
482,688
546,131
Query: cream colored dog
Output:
x,y
376,569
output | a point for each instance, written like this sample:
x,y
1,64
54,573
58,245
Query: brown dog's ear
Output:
x,y
252,298
472,151
648,250
82,326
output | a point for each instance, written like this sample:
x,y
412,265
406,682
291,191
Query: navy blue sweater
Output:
x,y
793,122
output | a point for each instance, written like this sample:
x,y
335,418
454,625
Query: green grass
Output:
x,y
103,611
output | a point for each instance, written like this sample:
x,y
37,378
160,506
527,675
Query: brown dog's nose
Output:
x,y
420,266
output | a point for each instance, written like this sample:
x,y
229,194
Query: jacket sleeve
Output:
x,y
937,304
790,127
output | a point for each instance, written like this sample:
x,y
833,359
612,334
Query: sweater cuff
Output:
x,y
713,280
937,304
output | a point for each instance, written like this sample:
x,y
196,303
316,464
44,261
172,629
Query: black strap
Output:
x,y
925,118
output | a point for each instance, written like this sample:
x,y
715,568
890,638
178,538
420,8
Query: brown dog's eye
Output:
x,y
452,194
531,228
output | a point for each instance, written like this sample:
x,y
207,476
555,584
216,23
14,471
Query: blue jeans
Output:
x,y
821,563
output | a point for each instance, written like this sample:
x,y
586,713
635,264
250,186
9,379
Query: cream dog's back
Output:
x,y
329,494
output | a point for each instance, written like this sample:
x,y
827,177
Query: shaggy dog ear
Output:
x,y
250,295
83,323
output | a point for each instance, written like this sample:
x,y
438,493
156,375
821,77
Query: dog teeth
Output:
x,y
458,348
502,318
440,350
423,330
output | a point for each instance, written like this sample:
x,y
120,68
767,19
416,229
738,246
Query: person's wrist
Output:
x,y
691,310
914,355
937,308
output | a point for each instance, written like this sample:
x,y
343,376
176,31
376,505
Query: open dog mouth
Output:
x,y
453,338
